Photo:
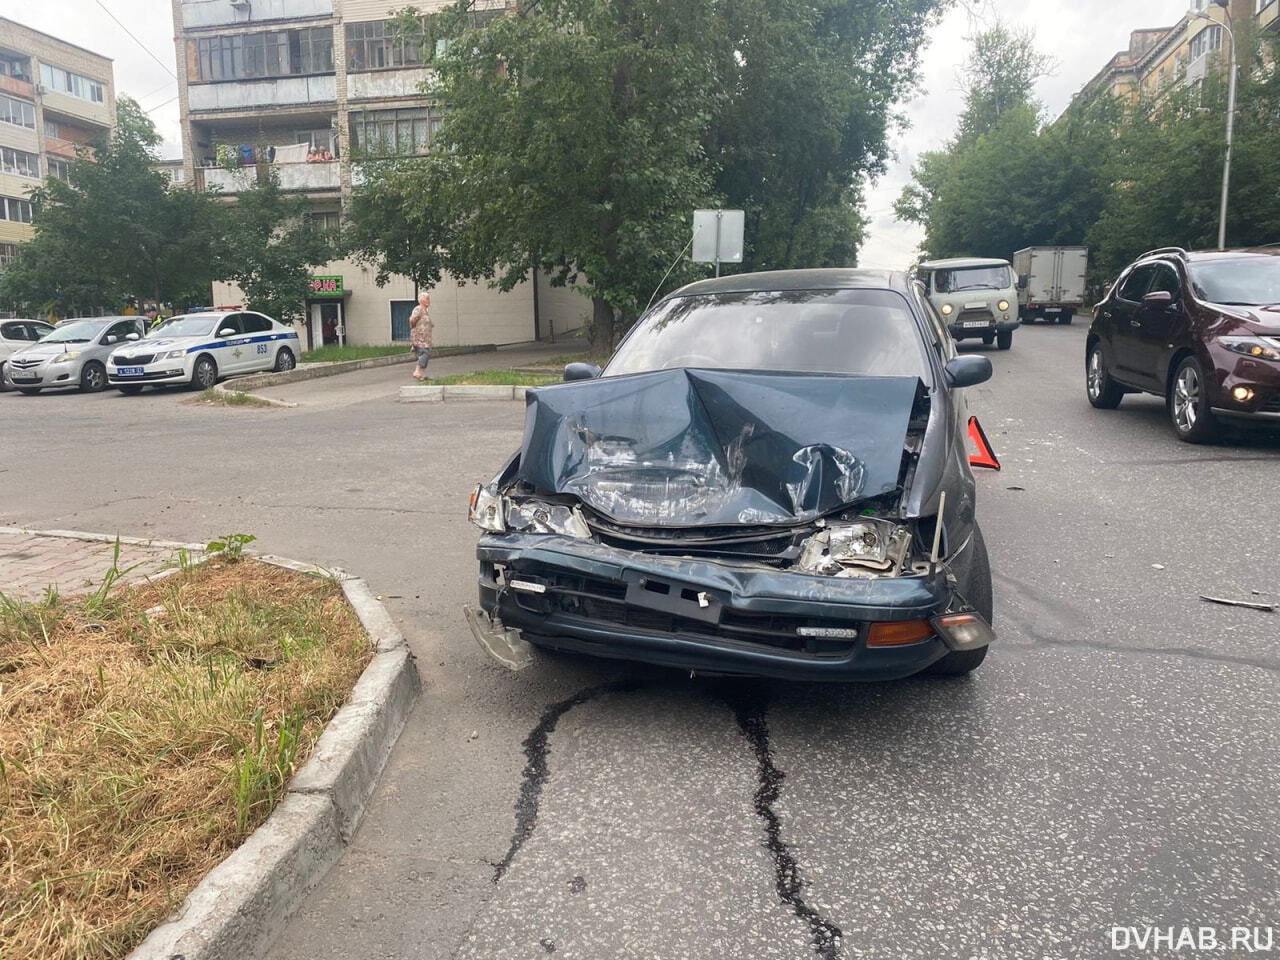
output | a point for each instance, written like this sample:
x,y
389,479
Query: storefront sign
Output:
x,y
325,287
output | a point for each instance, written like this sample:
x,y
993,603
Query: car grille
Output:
x,y
1271,406
604,602
25,364
133,361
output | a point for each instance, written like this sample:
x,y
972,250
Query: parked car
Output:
x,y
203,348
1200,329
73,355
753,485
976,296
17,335
1050,282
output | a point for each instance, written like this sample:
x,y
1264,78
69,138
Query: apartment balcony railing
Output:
x,y
294,177
60,147
19,88
317,90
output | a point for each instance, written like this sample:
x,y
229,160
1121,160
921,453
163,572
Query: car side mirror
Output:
x,y
580,371
226,332
133,336
1158,300
968,371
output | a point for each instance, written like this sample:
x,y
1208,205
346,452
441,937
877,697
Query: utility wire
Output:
x,y
145,48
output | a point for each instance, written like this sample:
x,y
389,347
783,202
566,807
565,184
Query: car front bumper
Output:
x,y
1261,378
45,375
974,324
159,371
702,615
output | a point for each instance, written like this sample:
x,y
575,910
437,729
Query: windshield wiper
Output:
x,y
1240,303
976,286
82,340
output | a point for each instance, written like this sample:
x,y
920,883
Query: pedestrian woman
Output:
x,y
420,335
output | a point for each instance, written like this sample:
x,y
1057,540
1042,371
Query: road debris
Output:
x,y
1248,605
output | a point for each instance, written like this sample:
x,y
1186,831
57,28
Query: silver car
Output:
x,y
18,334
73,355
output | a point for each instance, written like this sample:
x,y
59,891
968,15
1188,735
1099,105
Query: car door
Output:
x,y
1122,316
115,335
259,348
234,355
1158,324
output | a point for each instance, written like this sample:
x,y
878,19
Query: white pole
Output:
x,y
1226,163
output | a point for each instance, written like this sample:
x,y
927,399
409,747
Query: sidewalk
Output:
x,y
29,563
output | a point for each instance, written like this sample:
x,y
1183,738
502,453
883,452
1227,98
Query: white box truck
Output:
x,y
1050,282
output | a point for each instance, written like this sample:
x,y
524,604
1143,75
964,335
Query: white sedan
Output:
x,y
203,348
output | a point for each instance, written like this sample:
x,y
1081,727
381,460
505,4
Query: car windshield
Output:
x,y
1248,282
859,332
185,327
972,278
74,331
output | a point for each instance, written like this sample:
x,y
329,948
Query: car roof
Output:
x,y
1207,256
956,262
100,320
832,278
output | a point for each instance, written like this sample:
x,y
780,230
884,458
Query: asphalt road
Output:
x,y
1113,764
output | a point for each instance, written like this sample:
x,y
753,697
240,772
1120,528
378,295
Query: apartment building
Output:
x,y
1160,58
54,97
305,88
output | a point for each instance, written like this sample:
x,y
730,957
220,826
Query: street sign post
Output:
x,y
717,236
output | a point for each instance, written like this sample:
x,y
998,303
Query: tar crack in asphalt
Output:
x,y
536,748
750,708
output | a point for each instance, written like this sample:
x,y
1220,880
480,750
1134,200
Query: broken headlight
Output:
x,y
537,516
865,548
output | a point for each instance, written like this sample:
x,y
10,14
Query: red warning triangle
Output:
x,y
985,457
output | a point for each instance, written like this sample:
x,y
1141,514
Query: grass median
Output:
x,y
145,732
497,378
336,354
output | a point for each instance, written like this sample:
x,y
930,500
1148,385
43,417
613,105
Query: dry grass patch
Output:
x,y
144,733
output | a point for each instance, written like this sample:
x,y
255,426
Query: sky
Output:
x,y
1080,36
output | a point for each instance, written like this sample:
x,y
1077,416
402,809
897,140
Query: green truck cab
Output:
x,y
976,296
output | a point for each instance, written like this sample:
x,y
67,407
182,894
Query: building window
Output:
x,y
1204,42
72,84
321,138
328,222
16,66
400,312
255,56
8,253
378,45
20,163
18,112
15,210
51,128
384,133
59,168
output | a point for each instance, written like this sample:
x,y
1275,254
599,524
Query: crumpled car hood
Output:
x,y
686,448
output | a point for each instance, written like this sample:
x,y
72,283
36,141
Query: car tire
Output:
x,y
1103,392
29,391
93,377
979,594
205,373
1066,317
1004,339
130,389
1188,403
284,360
988,338
4,387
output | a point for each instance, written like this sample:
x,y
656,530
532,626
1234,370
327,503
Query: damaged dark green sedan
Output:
x,y
769,478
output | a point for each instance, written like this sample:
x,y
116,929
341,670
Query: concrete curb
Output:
x,y
258,381
244,903
439,393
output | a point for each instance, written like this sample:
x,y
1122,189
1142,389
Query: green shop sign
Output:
x,y
325,287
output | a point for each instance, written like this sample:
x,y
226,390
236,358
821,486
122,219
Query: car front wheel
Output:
x,y
1104,393
1004,339
93,377
1189,403
979,594
205,374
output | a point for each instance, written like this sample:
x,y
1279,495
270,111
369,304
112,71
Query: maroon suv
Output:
x,y
1201,330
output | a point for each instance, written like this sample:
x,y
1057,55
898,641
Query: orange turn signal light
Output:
x,y
898,634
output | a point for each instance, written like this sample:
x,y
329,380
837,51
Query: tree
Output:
x,y
581,134
999,76
114,230
274,247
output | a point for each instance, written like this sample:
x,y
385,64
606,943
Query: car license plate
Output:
x,y
129,372
977,323
1052,309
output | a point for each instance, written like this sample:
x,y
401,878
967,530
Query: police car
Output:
x,y
203,348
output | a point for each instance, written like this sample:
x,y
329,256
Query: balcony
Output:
x,y
19,88
60,147
320,90
212,13
294,177
386,84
